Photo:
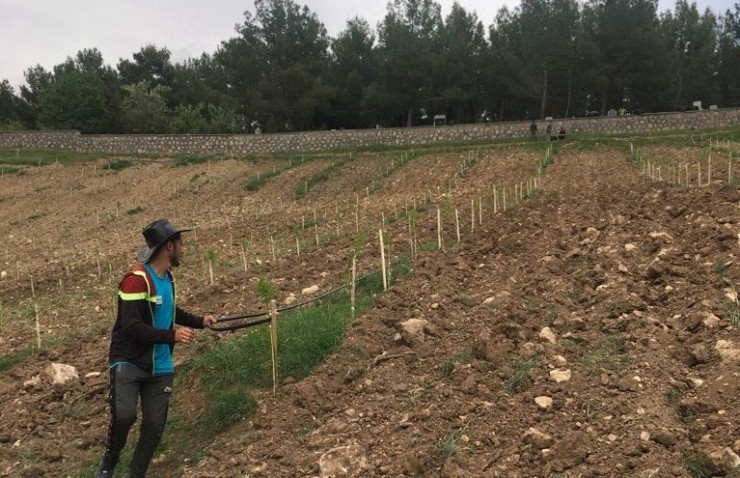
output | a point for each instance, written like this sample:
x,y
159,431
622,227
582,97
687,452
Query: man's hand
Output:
x,y
209,320
183,335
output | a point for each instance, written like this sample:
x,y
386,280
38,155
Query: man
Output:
x,y
142,342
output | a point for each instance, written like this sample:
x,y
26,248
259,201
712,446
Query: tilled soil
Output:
x,y
588,331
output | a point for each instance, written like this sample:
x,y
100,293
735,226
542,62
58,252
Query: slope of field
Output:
x,y
589,331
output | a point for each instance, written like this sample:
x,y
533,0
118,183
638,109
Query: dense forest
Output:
x,y
281,71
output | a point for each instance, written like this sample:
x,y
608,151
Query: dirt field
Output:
x,y
590,330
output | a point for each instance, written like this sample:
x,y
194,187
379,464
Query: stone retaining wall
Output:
x,y
324,140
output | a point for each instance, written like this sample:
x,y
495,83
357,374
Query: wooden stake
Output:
x,y
698,174
472,215
457,226
480,211
729,169
33,292
274,344
687,175
297,246
382,259
709,171
38,327
439,229
353,285
210,271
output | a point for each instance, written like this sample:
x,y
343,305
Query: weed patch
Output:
x,y
520,379
9,361
610,353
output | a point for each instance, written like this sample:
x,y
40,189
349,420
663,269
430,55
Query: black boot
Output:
x,y
107,465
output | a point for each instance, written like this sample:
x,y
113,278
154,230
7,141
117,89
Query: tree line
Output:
x,y
281,71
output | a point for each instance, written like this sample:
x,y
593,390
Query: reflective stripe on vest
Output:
x,y
147,296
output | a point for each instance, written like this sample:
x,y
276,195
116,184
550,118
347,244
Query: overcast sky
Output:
x,y
45,32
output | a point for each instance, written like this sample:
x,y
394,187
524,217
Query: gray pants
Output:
x,y
129,383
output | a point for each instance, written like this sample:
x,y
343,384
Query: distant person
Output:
x,y
548,132
561,133
142,341
533,129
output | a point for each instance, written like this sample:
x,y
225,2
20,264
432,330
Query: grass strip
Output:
x,y
11,360
228,371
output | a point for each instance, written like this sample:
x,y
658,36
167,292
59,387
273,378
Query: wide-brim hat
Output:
x,y
156,234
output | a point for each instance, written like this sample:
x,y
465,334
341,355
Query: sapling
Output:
x,y
211,257
266,291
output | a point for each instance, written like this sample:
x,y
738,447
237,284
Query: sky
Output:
x,y
46,32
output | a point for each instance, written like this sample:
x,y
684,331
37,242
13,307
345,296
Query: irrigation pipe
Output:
x,y
263,317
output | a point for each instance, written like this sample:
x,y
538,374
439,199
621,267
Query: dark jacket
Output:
x,y
133,336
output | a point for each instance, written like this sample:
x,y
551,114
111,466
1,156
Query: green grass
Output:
x,y
11,170
320,176
733,312
118,165
698,466
188,159
673,397
44,158
136,210
610,353
261,179
229,370
520,379
11,360
448,366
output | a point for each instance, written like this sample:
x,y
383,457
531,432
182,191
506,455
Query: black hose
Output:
x,y
264,316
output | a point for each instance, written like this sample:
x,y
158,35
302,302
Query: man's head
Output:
x,y
162,237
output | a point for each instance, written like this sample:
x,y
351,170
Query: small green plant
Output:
x,y
520,379
673,397
261,179
447,446
265,289
448,366
698,466
733,312
118,165
610,353
136,210
588,406
188,160
720,267
9,361
359,242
